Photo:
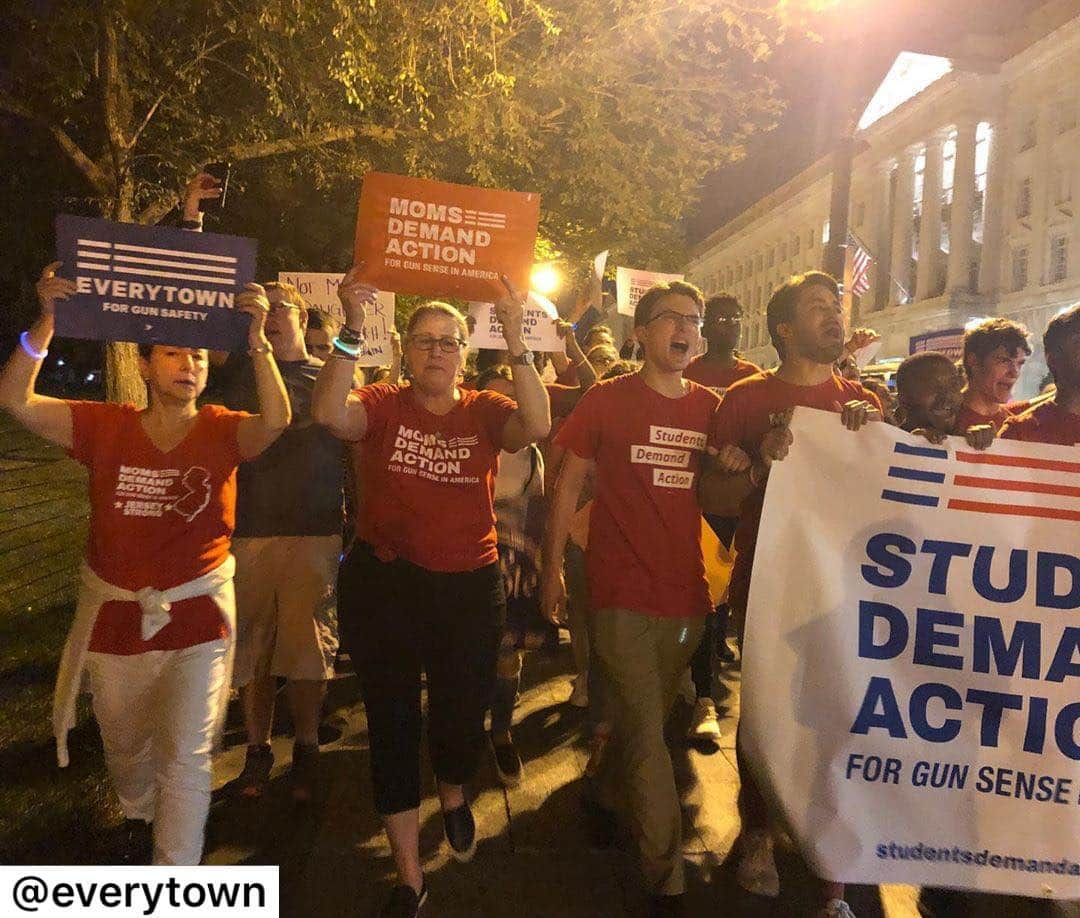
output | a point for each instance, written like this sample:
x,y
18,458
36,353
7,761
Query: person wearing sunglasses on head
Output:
x,y
421,590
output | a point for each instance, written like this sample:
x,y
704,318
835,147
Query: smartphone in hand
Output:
x,y
220,172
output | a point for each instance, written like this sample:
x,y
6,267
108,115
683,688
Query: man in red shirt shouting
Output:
x,y
806,325
644,435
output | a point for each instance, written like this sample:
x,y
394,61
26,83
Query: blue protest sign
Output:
x,y
152,284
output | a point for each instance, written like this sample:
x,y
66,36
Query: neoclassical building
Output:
x,y
964,192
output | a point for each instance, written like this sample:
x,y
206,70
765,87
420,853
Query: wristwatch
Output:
x,y
525,357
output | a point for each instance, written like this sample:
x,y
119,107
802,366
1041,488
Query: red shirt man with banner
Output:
x,y
995,351
155,618
805,320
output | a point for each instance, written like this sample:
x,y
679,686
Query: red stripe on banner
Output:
x,y
1020,462
1049,513
1006,484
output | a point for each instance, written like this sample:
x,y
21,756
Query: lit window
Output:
x,y
983,139
1059,258
1023,199
1019,269
825,233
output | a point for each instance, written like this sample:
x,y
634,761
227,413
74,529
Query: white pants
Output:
x,y
156,712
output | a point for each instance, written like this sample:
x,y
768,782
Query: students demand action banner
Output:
x,y
631,283
152,284
319,289
912,658
439,239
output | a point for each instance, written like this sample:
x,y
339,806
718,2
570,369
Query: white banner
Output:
x,y
540,319
631,283
912,659
599,264
320,291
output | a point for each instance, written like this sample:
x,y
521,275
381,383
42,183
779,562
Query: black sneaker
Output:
x,y
304,774
404,902
665,906
507,763
460,833
251,782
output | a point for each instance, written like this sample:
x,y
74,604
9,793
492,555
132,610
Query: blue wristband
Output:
x,y
351,350
24,340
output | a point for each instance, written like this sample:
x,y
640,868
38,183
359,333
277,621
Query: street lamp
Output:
x,y
545,279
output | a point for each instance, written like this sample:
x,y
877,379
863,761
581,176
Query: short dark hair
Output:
x,y
721,299
1061,327
321,320
987,336
500,371
915,365
620,368
145,350
643,312
781,306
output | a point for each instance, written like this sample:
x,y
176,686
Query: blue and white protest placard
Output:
x,y
631,284
911,671
539,324
319,289
152,284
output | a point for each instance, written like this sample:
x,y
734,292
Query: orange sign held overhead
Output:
x,y
440,239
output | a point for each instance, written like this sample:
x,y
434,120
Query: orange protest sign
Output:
x,y
440,239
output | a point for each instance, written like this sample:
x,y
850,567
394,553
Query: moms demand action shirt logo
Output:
x,y
430,456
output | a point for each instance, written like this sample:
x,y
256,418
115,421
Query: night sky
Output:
x,y
805,72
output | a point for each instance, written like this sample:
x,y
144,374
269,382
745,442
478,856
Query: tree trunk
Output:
x,y
123,382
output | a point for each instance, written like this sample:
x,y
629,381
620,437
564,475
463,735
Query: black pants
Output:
x,y
397,620
701,668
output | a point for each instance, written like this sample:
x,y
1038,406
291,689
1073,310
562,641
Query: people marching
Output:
x,y
486,514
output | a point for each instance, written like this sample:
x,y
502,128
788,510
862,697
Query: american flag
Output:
x,y
860,267
996,484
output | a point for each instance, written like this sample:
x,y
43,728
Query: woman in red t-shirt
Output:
x,y
153,625
421,589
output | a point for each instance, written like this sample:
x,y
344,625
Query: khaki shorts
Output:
x,y
286,607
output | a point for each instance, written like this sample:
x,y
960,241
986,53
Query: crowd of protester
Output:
x,y
490,502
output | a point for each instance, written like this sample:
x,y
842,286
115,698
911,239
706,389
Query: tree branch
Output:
x,y
90,170
157,209
203,55
245,151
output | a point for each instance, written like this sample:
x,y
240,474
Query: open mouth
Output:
x,y
680,347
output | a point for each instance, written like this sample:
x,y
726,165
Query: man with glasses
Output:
x,y
287,546
642,436
717,369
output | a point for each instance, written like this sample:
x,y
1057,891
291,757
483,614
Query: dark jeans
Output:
x,y
398,620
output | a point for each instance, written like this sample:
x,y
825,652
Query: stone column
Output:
x,y
930,221
962,211
874,235
994,220
900,250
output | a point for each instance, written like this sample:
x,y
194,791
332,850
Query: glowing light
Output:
x,y
909,75
545,279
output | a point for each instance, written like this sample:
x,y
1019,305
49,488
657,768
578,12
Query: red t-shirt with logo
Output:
x,y
743,418
644,548
428,480
966,418
1047,422
156,519
705,372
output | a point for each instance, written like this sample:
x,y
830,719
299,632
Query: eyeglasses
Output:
x,y
727,320
428,343
679,319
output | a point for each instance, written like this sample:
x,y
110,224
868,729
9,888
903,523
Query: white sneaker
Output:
x,y
756,872
835,908
704,723
579,696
